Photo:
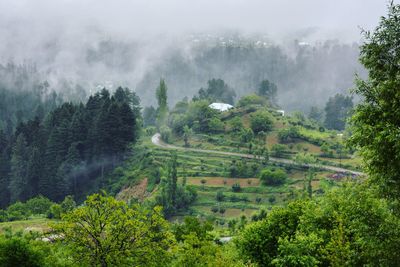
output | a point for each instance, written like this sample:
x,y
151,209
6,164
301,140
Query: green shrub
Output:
x,y
273,176
54,212
39,205
68,204
288,135
18,211
17,251
166,134
252,99
220,196
271,199
215,125
278,150
236,187
261,120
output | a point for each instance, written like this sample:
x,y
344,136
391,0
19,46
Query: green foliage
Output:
x,y
236,124
174,197
190,225
337,110
54,212
17,251
187,133
261,120
350,226
162,110
288,135
217,90
236,187
316,114
273,176
199,115
375,121
268,89
305,158
278,150
18,211
298,251
216,125
220,196
258,242
196,252
107,232
166,134
68,204
246,135
67,150
38,205
149,116
252,99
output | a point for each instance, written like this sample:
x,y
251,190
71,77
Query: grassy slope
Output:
x,y
38,224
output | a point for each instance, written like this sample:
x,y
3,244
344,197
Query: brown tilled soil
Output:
x,y
137,191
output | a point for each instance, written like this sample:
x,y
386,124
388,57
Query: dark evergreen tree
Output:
x,y
19,170
337,110
217,91
4,170
35,171
268,89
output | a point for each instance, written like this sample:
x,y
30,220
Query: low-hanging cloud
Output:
x,y
94,41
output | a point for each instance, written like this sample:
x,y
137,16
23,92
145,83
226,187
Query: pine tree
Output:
x,y
19,168
128,125
72,165
4,170
34,173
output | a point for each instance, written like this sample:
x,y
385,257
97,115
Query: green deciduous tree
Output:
x,y
162,110
106,232
273,176
261,120
376,121
17,251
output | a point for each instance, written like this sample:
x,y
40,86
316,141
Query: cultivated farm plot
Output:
x,y
229,212
223,181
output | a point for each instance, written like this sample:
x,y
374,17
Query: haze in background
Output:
x,y
96,43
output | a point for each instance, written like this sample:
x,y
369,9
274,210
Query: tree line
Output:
x,y
70,149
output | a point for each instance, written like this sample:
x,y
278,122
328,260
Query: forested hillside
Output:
x,y
68,150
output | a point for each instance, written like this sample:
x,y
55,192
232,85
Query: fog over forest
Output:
x,y
135,43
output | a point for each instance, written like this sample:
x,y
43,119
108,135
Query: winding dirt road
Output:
x,y
156,140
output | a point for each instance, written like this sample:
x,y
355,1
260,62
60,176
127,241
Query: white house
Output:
x,y
220,106
281,111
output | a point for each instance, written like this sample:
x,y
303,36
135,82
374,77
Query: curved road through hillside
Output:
x,y
156,140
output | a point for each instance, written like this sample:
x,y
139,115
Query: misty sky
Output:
x,y
59,36
338,18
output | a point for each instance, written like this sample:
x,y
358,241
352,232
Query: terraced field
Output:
x,y
210,175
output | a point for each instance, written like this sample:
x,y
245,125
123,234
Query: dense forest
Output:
x,y
64,151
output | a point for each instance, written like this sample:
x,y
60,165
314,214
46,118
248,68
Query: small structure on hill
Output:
x,y
220,106
281,111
